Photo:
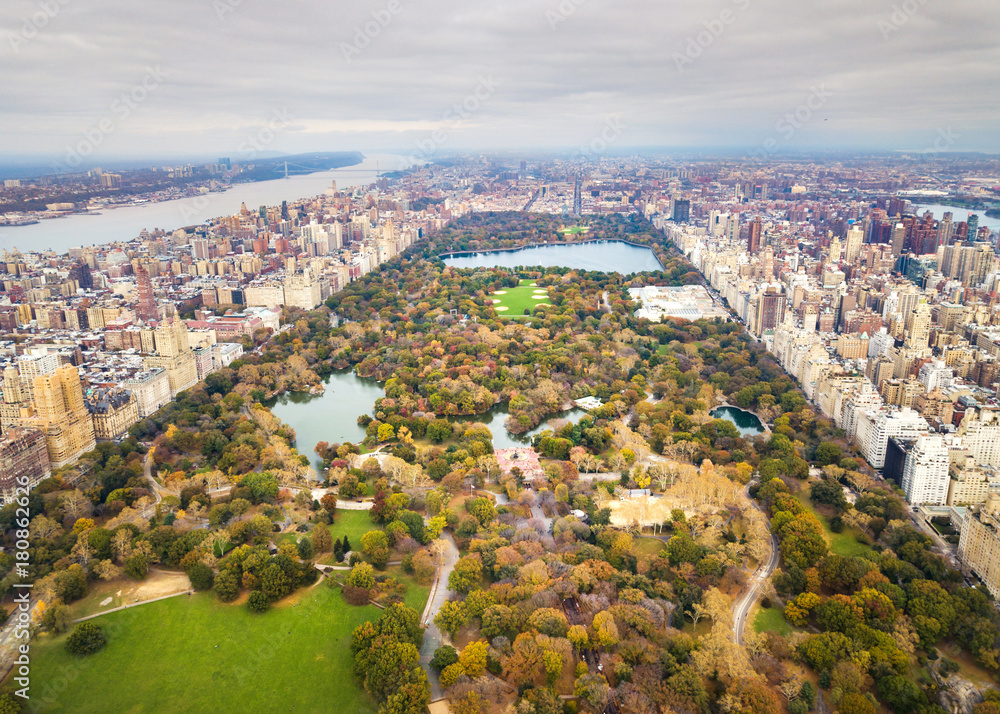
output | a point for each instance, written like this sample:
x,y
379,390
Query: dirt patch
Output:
x,y
158,584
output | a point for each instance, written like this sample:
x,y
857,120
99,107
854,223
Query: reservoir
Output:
x,y
125,223
333,415
746,422
606,256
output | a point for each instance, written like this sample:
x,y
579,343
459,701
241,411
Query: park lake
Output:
x,y
603,255
746,422
333,415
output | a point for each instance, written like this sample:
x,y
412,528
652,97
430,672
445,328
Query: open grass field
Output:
x,y
574,230
844,543
771,619
648,547
353,524
193,653
517,300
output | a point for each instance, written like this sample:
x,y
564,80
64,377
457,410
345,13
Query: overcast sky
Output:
x,y
326,76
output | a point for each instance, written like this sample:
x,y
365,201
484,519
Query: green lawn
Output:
x,y
573,230
649,547
353,524
518,299
771,619
844,543
162,657
416,594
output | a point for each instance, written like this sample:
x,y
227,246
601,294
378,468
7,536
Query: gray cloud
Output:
x,y
563,69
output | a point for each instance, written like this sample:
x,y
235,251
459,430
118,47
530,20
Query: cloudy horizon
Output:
x,y
215,77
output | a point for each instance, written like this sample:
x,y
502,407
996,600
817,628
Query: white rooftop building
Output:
x,y
925,472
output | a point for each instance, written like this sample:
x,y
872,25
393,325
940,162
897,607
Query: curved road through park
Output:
x,y
438,596
754,587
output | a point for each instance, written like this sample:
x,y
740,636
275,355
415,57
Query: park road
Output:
x,y
439,595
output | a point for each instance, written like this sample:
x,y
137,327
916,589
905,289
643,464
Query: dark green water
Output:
x,y
333,415
746,422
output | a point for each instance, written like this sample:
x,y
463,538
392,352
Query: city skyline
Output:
x,y
231,78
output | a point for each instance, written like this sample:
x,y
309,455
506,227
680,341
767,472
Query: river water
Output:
x,y
333,415
960,214
121,224
606,256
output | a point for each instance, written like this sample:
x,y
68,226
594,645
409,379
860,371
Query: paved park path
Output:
x,y
134,604
756,584
438,596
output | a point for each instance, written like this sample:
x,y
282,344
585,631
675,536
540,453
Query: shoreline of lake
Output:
x,y
748,430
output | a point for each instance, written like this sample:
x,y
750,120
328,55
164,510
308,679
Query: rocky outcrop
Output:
x,y
957,694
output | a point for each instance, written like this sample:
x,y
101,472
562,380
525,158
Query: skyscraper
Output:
x,y
754,235
682,210
925,472
62,416
852,245
199,249
918,326
973,227
898,239
145,309
770,310
80,272
945,228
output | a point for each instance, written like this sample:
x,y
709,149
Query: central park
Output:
x,y
330,524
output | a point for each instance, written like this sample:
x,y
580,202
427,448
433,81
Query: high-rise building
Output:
x,y
754,235
898,239
24,461
173,353
682,210
945,228
874,429
918,326
971,483
770,310
60,413
973,226
145,308
925,473
199,249
979,542
852,245
80,272
980,435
